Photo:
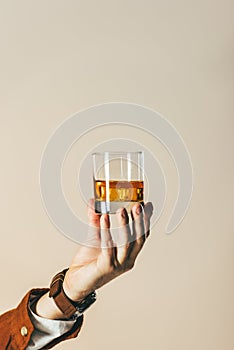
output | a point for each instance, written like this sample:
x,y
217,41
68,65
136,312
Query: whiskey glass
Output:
x,y
118,179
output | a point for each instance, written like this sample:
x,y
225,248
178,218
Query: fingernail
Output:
x,y
151,206
124,213
106,219
138,209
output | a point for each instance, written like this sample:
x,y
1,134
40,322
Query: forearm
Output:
x,y
46,307
21,329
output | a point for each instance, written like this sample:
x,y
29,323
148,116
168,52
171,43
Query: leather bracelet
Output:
x,y
68,307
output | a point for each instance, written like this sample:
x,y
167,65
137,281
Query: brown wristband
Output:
x,y
68,307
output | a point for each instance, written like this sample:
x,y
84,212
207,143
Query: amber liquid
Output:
x,y
118,194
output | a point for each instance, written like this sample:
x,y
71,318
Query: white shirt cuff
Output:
x,y
45,329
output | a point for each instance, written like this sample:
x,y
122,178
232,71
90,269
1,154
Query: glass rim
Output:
x,y
116,153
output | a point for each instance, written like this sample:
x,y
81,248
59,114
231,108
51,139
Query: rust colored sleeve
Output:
x,y
16,327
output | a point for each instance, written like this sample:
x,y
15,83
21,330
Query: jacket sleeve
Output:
x,y
16,326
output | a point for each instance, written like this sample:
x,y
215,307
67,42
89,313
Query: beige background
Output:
x,y
58,57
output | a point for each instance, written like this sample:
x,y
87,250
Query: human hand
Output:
x,y
101,260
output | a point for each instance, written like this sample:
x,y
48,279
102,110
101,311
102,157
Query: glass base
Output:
x,y
111,207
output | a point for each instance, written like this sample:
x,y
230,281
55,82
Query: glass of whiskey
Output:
x,y
118,179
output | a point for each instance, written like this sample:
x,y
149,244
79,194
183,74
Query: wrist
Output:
x,y
46,307
71,304
71,291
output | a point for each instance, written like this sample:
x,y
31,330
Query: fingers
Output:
x,y
94,218
105,231
148,212
94,225
107,244
124,235
130,241
140,228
